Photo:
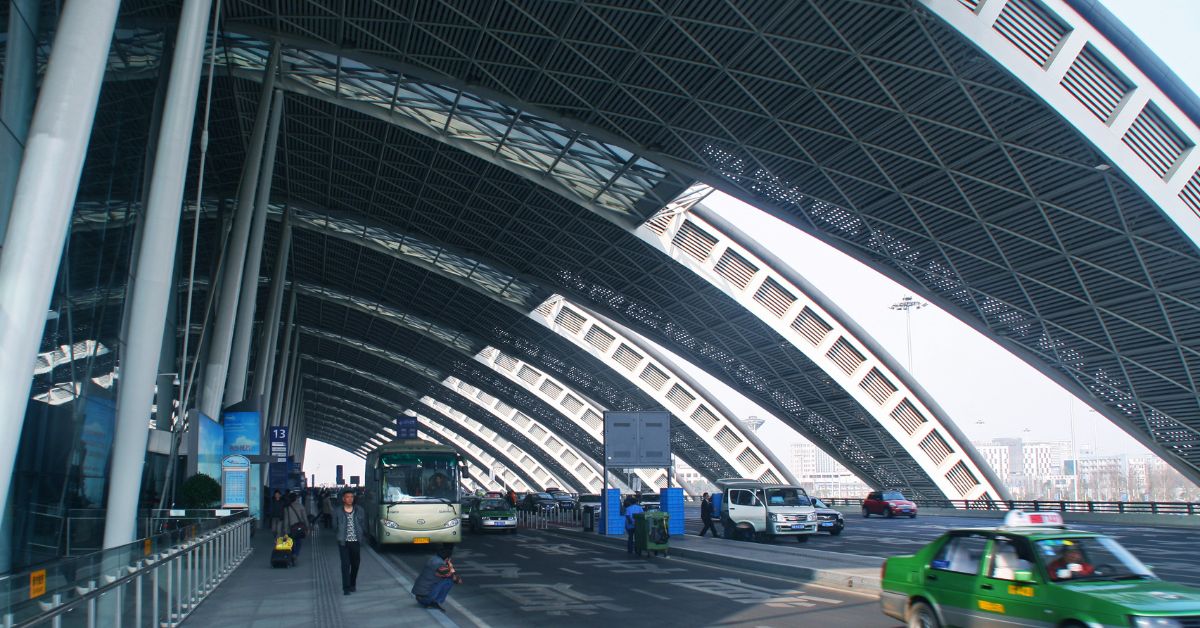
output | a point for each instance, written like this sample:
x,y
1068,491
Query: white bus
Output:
x,y
413,493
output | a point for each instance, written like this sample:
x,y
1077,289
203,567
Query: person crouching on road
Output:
x,y
350,526
436,579
632,507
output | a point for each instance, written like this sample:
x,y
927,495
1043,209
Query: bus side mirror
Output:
x,y
378,475
466,471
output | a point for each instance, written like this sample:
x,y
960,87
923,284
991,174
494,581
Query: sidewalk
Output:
x,y
310,594
834,569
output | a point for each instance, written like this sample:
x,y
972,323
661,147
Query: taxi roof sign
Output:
x,y
1022,519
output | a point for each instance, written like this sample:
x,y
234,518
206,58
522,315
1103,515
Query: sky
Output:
x,y
986,391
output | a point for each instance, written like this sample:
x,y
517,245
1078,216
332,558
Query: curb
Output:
x,y
867,583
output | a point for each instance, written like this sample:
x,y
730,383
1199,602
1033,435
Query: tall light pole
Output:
x,y
907,305
1074,449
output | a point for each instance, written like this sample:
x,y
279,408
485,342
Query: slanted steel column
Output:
x,y
290,338
42,202
235,259
154,280
243,329
16,109
268,341
16,100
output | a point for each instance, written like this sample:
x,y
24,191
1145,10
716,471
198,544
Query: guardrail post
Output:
x,y
56,601
1091,506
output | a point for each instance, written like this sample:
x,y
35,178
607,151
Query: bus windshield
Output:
x,y
419,477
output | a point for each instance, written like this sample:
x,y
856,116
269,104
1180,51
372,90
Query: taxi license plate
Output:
x,y
826,524
421,539
798,526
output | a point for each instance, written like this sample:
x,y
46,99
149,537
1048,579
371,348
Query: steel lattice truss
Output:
x,y
538,134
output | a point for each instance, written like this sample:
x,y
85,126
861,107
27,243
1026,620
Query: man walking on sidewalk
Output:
x,y
706,514
436,579
350,525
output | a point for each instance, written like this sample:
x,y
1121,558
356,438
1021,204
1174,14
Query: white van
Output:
x,y
753,510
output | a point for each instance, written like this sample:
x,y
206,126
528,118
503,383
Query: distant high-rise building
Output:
x,y
821,474
753,423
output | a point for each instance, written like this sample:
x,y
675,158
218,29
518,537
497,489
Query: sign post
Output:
x,y
635,440
279,443
406,427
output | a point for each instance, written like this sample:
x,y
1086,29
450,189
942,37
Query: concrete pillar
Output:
x,y
16,100
42,204
243,329
217,367
154,280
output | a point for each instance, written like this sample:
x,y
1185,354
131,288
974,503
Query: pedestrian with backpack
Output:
x,y
295,522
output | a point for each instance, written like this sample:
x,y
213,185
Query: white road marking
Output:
x,y
521,556
578,573
655,595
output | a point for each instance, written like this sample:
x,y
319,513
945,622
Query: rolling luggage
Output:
x,y
281,556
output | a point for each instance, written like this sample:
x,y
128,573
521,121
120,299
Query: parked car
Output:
x,y
565,500
538,502
828,519
889,504
492,514
1032,571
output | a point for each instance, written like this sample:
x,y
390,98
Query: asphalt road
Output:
x,y
1170,552
543,579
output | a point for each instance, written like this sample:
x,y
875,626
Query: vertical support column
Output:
x,y
290,338
16,101
42,203
243,329
235,258
154,280
267,343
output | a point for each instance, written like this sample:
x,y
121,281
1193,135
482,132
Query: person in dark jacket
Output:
x,y
275,513
706,514
350,527
436,579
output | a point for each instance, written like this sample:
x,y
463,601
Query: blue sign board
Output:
x,y
243,433
211,446
235,482
279,442
406,427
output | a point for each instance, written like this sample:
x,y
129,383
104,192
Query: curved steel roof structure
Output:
x,y
486,163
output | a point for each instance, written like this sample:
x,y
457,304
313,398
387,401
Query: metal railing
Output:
x,y
157,581
548,517
1059,505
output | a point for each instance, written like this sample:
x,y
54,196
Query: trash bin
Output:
x,y
589,519
658,532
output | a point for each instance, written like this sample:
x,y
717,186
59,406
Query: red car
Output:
x,y
889,503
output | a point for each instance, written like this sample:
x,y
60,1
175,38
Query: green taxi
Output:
x,y
1032,571
492,514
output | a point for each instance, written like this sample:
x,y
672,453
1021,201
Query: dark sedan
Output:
x,y
538,502
831,521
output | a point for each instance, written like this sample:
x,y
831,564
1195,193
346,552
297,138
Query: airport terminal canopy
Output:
x,y
488,166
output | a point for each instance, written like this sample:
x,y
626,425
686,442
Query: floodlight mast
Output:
x,y
907,305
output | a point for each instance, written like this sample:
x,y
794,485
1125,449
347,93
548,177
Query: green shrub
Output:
x,y
200,491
